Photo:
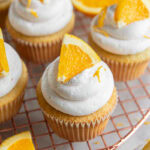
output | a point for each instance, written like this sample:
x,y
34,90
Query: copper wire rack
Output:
x,y
132,110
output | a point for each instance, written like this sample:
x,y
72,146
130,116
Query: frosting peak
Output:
x,y
38,18
82,90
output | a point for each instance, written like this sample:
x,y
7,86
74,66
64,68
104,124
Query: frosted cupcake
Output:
x,y
4,5
13,80
38,26
121,39
76,92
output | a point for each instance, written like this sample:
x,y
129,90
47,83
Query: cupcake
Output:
x,y
76,92
4,5
37,27
13,80
122,39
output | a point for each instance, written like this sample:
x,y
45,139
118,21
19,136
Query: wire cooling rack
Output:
x,y
132,110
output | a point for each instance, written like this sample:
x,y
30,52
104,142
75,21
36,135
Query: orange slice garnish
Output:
x,y
75,57
22,141
129,11
92,7
4,68
147,146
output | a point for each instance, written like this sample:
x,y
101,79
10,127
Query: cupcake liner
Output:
x,y
123,67
125,72
77,128
3,13
11,103
7,111
38,52
77,132
40,49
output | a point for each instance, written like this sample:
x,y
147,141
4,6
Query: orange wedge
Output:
x,y
129,11
92,7
147,146
22,141
4,68
75,57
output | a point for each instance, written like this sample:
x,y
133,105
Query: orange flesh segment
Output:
x,y
24,144
3,58
73,59
129,11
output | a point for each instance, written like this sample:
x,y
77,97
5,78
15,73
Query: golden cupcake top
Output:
x,y
75,57
4,67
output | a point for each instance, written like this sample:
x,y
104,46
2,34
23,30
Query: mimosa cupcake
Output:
x,y
13,80
76,92
122,39
4,5
37,27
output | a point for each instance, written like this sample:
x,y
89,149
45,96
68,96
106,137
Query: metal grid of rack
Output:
x,y
132,109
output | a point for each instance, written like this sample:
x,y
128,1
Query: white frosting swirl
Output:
x,y
125,40
8,82
53,15
82,95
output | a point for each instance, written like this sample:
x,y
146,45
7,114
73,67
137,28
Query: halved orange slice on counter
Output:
x,y
129,11
92,7
4,68
22,141
75,57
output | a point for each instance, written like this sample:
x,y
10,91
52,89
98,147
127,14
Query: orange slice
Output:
x,y
129,11
92,7
147,146
4,68
75,57
22,141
